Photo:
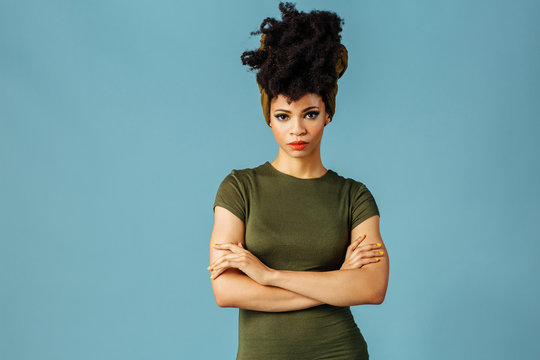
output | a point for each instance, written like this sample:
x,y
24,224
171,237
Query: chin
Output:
x,y
298,154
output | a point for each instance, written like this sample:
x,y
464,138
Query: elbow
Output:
x,y
218,297
222,287
370,298
379,287
378,299
379,295
372,293
222,300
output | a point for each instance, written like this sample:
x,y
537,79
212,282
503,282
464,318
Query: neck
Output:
x,y
301,167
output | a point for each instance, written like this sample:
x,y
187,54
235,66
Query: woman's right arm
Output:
x,y
235,289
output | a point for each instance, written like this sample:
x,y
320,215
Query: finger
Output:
x,y
232,255
233,263
359,240
370,261
214,275
362,254
378,253
220,248
222,259
224,266
349,251
240,260
371,246
366,261
227,246
371,254
358,256
355,243
217,272
218,259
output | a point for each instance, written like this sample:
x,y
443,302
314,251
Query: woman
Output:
x,y
294,244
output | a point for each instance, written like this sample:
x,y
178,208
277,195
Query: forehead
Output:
x,y
310,99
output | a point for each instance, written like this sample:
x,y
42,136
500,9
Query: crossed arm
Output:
x,y
294,290
235,289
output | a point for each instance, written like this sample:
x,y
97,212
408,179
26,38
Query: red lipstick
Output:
x,y
298,145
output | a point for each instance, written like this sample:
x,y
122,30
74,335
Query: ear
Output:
x,y
328,119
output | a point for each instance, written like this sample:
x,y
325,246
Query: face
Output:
x,y
301,120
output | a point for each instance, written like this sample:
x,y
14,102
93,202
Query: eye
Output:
x,y
278,116
312,114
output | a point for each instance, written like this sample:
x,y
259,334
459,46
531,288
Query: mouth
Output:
x,y
298,145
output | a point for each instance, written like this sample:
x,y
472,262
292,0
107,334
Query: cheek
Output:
x,y
278,134
317,131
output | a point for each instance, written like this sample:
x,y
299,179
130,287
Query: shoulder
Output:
x,y
242,178
243,174
362,204
353,185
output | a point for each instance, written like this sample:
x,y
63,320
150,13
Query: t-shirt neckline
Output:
x,y
282,174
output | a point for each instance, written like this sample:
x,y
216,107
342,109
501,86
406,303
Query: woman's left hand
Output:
x,y
242,259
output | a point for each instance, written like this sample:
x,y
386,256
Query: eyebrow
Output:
x,y
306,109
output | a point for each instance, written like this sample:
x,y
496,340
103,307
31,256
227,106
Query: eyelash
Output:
x,y
311,112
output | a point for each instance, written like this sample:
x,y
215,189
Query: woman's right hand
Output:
x,y
359,255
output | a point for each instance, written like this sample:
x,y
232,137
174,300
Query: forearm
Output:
x,y
338,287
235,289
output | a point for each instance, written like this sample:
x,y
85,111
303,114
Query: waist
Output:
x,y
308,333
320,312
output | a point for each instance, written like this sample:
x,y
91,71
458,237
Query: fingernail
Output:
x,y
211,276
213,268
379,244
382,252
377,259
208,268
363,235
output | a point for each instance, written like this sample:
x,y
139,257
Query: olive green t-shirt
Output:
x,y
300,225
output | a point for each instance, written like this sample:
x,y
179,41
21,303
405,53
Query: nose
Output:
x,y
297,126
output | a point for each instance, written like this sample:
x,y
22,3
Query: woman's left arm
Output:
x,y
348,287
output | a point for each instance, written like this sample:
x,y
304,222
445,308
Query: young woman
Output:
x,y
294,244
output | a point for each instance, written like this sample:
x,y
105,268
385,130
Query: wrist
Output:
x,y
272,277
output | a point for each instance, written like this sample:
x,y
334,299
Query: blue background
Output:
x,y
119,119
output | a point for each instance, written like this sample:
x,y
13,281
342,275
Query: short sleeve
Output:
x,y
363,205
231,195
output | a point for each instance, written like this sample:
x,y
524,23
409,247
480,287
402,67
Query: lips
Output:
x,y
298,145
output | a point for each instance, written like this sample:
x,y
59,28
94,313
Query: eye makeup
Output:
x,y
314,113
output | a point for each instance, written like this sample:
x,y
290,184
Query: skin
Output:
x,y
303,120
362,278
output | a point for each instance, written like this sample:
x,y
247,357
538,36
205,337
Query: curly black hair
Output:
x,y
300,52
